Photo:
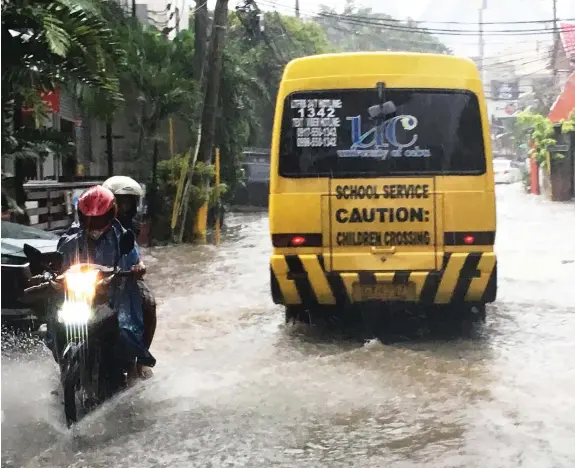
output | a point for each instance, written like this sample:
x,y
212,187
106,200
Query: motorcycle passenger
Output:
x,y
128,194
97,241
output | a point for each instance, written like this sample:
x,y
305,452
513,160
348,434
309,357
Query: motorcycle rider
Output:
x,y
97,241
128,194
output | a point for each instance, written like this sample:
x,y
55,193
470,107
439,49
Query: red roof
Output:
x,y
567,33
565,102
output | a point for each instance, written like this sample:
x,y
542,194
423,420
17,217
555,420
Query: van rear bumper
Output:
x,y
464,278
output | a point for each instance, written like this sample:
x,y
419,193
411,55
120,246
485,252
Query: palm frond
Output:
x,y
57,37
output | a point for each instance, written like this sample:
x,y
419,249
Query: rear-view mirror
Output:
x,y
46,261
33,254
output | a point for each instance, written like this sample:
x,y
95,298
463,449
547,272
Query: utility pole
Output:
x,y
177,20
297,8
201,20
555,40
133,8
213,80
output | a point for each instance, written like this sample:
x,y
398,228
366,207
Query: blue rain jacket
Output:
x,y
124,293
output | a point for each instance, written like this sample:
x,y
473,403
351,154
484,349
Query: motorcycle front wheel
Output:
x,y
81,381
70,384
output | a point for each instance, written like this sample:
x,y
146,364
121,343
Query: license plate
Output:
x,y
384,292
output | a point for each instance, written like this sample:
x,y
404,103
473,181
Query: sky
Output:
x,y
433,12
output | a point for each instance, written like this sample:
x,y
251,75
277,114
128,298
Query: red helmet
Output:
x,y
97,208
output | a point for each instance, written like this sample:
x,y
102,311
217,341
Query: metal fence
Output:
x,y
50,204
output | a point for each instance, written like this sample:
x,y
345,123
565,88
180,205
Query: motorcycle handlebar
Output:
x,y
38,287
124,274
45,285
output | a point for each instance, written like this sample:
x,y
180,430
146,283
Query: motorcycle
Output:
x,y
85,330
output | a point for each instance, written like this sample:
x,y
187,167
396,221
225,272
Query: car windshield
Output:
x,y
19,231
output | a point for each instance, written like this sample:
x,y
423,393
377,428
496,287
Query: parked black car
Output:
x,y
16,269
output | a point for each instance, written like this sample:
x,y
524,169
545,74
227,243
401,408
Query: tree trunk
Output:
x,y
200,40
153,192
19,173
17,118
187,193
201,18
213,81
205,141
110,148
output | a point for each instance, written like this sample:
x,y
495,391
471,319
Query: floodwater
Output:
x,y
236,387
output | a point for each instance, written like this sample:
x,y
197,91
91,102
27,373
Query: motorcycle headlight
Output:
x,y
80,291
75,313
81,284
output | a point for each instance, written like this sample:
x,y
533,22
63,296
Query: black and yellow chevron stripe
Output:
x,y
464,277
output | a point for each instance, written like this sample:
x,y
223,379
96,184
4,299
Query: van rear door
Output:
x,y
382,150
384,224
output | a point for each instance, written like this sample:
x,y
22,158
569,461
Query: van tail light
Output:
x,y
469,238
297,240
505,171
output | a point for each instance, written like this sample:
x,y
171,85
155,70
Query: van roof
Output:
x,y
384,63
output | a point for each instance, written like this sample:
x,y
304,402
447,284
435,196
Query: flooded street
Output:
x,y
235,387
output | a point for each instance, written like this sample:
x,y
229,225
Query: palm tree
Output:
x,y
52,43
46,43
156,82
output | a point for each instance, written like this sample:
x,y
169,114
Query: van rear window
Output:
x,y
423,132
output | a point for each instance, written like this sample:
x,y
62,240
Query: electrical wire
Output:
x,y
534,56
519,60
416,42
359,6
385,24
194,10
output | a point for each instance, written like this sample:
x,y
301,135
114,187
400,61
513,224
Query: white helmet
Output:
x,y
122,185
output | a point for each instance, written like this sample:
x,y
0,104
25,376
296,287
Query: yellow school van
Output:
x,y
382,184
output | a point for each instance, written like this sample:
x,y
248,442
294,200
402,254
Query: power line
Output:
x,y
518,63
438,32
501,60
395,40
520,60
458,22
395,20
351,22
399,25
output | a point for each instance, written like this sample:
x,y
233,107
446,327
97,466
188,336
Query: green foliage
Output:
x,y
526,180
39,143
568,124
53,44
542,134
156,80
58,41
256,66
169,172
